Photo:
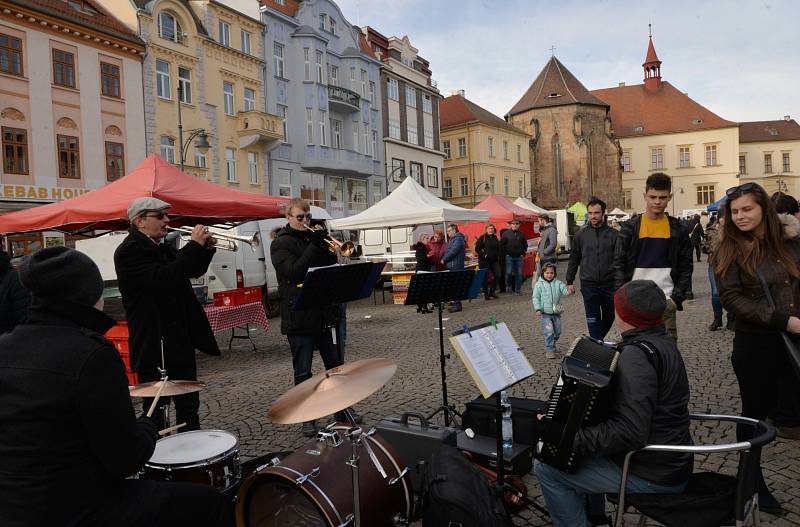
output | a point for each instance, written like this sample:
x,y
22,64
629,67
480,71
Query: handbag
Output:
x,y
788,341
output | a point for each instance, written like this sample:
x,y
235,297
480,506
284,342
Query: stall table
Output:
x,y
237,317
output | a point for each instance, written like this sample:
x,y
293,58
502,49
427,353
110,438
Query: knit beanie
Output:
x,y
60,273
640,303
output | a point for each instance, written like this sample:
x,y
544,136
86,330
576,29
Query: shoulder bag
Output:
x,y
788,341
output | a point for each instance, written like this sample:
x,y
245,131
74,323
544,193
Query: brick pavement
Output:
x,y
242,384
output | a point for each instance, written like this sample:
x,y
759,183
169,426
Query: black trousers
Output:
x,y
303,346
494,267
187,406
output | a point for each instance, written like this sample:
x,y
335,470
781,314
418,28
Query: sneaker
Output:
x,y
518,293
715,325
310,428
550,355
342,416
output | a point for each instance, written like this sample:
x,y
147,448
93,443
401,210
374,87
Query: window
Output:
x,y
374,144
398,169
283,112
464,186
505,187
394,128
356,195
433,177
743,164
323,128
169,28
355,137
322,19
336,129
371,91
15,150
252,167
491,183
626,161
68,157
558,167
366,140
249,99
768,163
392,89
318,60
10,55
363,83
711,155
505,152
412,134
491,147
520,189
428,138
245,41
377,191
626,199
684,157
200,159
309,126
167,149
224,33
185,85
786,164
333,75
427,104
306,64
446,149
352,79
519,153
416,172
705,194
109,80
332,25
462,147
411,97
63,68
227,90
447,188
230,164
656,158
163,89
115,161
278,52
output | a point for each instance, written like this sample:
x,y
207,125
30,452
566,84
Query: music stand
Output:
x,y
438,288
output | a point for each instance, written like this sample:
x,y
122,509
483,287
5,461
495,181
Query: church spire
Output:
x,y
652,66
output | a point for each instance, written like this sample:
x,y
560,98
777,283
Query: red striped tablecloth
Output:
x,y
227,317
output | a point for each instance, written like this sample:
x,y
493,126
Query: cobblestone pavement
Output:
x,y
242,384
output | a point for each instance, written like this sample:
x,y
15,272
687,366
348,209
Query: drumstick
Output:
x,y
158,395
170,429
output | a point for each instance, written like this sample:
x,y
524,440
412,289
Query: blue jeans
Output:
x,y
551,328
303,346
716,303
565,493
598,302
514,265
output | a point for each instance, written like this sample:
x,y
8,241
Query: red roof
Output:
x,y
289,7
783,130
651,54
636,111
456,110
366,49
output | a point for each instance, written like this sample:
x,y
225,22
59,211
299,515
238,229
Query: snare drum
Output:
x,y
210,457
313,487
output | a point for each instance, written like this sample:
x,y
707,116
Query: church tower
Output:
x,y
652,68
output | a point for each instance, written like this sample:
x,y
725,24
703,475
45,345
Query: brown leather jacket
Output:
x,y
743,296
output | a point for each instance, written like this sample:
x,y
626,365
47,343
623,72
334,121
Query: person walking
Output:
x,y
514,246
487,247
14,298
696,235
547,295
593,251
454,256
546,252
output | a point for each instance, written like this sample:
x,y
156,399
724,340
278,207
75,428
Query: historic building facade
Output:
x,y
410,103
323,79
768,154
483,154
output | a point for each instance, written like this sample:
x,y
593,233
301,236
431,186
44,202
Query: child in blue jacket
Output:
x,y
547,295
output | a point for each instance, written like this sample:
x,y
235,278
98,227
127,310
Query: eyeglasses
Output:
x,y
746,187
301,217
160,215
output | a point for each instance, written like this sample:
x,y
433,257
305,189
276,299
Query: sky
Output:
x,y
740,59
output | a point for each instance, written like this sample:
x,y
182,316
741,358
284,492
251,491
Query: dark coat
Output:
x,y
421,256
159,301
455,253
513,243
679,254
487,247
696,233
292,254
651,406
593,251
69,432
14,298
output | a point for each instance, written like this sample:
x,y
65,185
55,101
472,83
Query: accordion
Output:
x,y
581,397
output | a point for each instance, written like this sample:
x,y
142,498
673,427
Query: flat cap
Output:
x,y
145,204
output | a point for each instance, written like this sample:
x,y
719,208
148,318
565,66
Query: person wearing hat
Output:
x,y
548,240
650,393
70,437
160,306
514,246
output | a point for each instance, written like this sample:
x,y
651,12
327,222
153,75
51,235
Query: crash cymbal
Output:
x,y
150,389
332,390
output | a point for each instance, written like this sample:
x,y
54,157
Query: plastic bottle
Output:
x,y
508,426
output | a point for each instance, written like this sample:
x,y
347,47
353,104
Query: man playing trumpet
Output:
x,y
160,305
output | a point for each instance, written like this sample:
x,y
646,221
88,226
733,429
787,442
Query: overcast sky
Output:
x,y
740,59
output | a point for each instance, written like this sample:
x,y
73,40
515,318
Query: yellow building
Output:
x,y
768,154
207,55
483,154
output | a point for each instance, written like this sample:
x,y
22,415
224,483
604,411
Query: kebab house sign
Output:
x,y
35,193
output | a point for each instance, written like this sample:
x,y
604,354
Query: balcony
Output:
x,y
259,128
339,161
343,100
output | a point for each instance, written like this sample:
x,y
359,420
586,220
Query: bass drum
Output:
x,y
312,487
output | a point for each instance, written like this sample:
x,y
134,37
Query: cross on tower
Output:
x,y
553,50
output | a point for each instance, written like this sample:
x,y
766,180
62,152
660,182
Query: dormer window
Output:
x,y
554,95
772,131
697,121
81,7
169,28
638,129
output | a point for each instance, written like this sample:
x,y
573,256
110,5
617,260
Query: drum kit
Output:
x,y
304,488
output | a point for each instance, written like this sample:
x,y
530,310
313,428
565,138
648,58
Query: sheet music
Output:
x,y
492,357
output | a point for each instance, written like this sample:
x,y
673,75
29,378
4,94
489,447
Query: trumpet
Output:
x,y
224,241
345,248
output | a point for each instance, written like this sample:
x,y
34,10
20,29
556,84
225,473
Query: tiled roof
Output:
x,y
101,20
636,111
457,110
555,86
651,53
366,49
289,7
783,130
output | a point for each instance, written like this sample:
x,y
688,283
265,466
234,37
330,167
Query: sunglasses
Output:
x,y
301,217
746,187
158,215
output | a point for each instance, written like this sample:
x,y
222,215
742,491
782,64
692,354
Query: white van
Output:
x,y
566,227
378,242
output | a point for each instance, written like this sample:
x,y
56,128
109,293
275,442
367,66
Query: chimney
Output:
x,y
621,85
787,118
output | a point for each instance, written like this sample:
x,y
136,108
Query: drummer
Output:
x,y
70,436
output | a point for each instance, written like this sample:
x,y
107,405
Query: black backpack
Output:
x,y
455,494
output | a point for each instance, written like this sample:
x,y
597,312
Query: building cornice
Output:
x,y
229,11
170,52
424,87
398,142
235,52
236,75
675,132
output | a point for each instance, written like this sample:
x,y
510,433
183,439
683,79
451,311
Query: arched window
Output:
x,y
558,170
168,27
168,148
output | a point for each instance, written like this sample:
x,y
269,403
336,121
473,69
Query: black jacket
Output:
x,y
626,252
696,233
69,432
159,301
593,250
651,406
487,247
14,298
421,256
513,243
292,254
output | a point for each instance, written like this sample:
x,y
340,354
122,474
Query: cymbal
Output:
x,y
150,389
332,390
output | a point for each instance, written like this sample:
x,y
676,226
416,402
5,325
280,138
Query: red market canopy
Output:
x,y
502,210
105,209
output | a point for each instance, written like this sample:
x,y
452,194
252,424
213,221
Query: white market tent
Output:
x,y
618,212
525,203
409,204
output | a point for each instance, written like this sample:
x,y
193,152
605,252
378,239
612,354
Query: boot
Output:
x,y
716,324
766,501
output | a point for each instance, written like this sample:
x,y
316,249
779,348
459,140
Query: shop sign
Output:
x,y
36,193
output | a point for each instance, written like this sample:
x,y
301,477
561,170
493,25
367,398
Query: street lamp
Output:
x,y
202,143
475,190
401,168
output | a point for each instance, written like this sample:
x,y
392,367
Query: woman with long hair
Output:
x,y
755,246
